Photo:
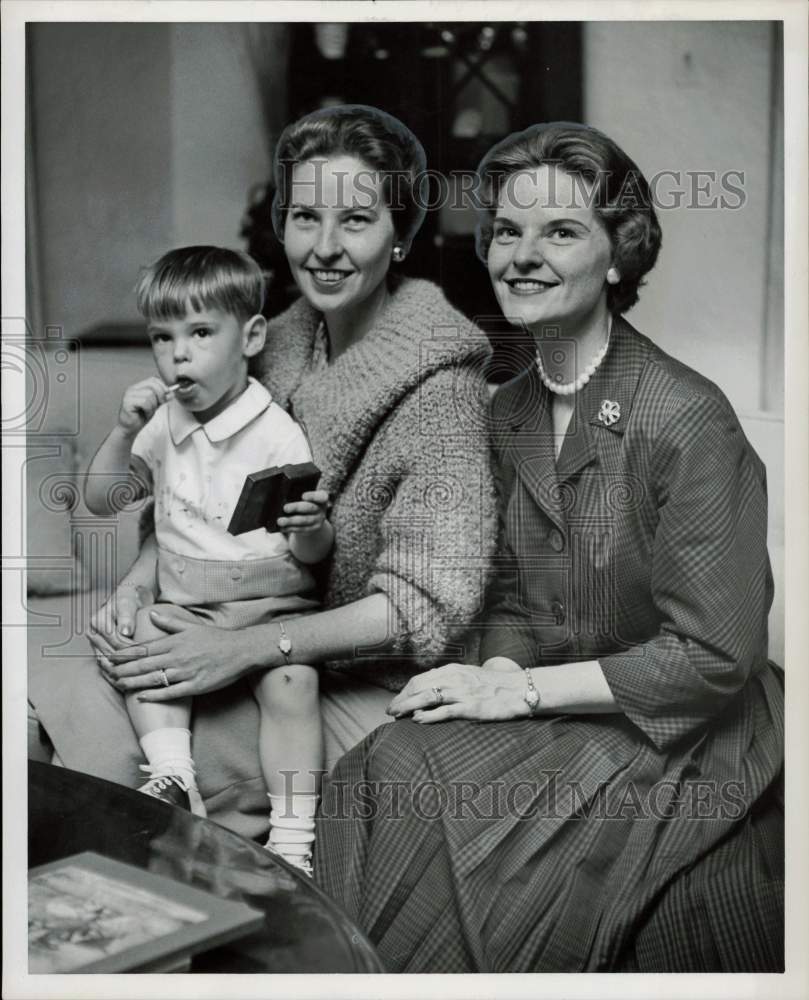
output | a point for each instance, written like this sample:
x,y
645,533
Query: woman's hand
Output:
x,y
113,624
462,691
195,658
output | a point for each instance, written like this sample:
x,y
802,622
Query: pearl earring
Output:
x,y
613,277
398,254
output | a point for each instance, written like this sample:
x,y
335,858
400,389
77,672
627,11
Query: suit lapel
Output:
x,y
600,417
579,445
604,405
530,445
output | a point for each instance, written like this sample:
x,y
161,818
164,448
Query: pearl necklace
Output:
x,y
569,388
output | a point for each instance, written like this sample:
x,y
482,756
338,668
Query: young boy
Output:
x,y
189,438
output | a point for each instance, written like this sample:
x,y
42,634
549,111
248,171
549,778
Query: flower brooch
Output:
x,y
610,413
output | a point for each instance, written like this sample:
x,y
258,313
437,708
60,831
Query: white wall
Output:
x,y
100,112
696,96
145,136
219,146
689,96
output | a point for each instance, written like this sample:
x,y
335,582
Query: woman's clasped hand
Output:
x,y
489,693
195,658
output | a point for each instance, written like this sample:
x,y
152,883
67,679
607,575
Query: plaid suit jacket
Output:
x,y
643,545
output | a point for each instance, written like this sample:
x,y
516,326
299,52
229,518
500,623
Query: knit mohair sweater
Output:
x,y
398,425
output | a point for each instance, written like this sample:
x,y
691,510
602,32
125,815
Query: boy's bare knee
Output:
x,y
289,687
145,628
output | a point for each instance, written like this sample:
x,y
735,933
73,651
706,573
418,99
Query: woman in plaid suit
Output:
x,y
624,812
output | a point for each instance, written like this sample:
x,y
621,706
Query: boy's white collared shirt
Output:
x,y
198,471
253,401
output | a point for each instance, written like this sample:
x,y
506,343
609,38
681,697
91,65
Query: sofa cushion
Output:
x,y
54,565
67,547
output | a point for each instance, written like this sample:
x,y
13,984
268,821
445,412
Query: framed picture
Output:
x,y
89,913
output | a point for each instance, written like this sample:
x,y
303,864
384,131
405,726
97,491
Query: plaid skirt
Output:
x,y
563,844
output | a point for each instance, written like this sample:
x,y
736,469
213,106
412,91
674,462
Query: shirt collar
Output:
x,y
254,400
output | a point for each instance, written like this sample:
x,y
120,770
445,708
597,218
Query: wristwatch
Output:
x,y
284,642
531,696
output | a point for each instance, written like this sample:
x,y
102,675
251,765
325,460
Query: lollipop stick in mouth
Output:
x,y
172,388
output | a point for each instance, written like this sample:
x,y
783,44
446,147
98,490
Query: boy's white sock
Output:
x,y
169,752
292,824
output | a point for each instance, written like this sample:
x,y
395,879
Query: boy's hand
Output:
x,y
306,515
113,625
139,404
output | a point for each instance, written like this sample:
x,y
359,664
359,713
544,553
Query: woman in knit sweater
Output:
x,y
384,376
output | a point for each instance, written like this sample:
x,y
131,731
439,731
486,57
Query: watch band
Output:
x,y
284,642
531,696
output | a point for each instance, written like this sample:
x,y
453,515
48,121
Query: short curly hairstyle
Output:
x,y
620,194
376,138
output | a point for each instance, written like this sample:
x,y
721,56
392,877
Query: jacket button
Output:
x,y
180,566
235,574
555,540
558,611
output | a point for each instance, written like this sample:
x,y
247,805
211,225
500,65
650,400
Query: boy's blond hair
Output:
x,y
203,277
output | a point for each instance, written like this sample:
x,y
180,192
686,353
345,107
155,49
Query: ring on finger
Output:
x,y
164,677
439,696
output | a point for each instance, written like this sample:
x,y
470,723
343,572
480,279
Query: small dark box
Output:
x,y
265,493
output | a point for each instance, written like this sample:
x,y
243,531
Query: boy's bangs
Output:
x,y
165,300
166,303
200,278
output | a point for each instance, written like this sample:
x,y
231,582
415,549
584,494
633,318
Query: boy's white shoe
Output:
x,y
303,862
173,789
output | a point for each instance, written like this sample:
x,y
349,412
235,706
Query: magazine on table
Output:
x,y
90,913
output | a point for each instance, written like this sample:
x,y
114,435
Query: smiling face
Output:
x,y
338,233
550,252
206,353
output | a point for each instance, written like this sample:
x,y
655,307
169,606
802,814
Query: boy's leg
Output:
x,y
291,753
148,716
164,735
